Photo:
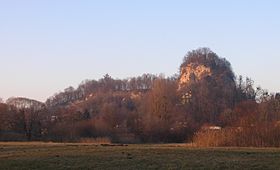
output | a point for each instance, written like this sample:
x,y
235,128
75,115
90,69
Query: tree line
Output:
x,y
153,108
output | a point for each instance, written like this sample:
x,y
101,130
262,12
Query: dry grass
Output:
x,y
256,136
100,140
36,155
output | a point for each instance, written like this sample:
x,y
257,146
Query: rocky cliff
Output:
x,y
202,63
193,72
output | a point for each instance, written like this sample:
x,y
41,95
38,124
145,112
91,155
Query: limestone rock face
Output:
x,y
193,72
205,65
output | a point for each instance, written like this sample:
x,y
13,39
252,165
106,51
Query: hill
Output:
x,y
205,96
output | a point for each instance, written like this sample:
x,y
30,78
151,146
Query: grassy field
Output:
x,y
89,156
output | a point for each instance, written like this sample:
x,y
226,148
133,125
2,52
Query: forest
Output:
x,y
205,104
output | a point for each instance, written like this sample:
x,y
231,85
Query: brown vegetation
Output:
x,y
153,108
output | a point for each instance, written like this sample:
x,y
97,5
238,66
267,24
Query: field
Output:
x,y
167,156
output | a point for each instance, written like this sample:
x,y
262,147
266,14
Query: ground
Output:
x,y
167,156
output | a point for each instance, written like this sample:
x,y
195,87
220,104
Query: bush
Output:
x,y
214,138
261,135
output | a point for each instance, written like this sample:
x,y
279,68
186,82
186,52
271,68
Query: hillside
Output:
x,y
205,96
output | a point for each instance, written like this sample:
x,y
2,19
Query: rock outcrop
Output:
x,y
203,63
193,72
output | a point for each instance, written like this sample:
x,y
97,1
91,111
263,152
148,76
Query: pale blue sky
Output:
x,y
47,45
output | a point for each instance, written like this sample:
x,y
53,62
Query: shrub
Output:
x,y
259,135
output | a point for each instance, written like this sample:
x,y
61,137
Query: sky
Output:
x,y
48,45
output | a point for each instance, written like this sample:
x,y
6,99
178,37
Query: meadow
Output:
x,y
57,156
